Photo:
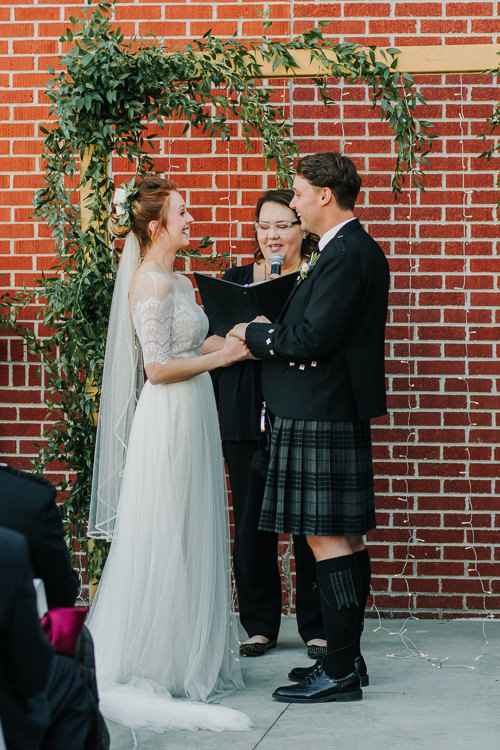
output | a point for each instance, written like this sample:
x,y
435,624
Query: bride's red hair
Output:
x,y
150,204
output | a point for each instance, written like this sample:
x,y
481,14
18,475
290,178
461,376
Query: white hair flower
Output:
x,y
122,201
120,197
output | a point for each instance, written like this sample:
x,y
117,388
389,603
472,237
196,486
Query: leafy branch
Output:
x,y
392,90
493,123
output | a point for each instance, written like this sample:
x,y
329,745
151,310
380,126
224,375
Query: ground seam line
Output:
x,y
272,725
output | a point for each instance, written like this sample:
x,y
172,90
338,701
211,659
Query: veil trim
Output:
x,y
121,385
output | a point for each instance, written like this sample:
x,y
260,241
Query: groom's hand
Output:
x,y
239,329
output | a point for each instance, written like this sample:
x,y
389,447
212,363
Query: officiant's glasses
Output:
x,y
280,226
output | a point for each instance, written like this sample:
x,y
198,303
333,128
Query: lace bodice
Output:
x,y
168,321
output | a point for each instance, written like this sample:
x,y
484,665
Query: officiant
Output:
x,y
240,402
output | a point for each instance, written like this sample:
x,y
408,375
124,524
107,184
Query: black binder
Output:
x,y
227,303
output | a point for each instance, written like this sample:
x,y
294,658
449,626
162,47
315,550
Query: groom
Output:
x,y
323,379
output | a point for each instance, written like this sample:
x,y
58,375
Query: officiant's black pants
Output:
x,y
255,556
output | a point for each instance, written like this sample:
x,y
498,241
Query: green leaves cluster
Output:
x,y
114,95
391,90
493,125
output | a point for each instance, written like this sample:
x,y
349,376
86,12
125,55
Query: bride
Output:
x,y
161,620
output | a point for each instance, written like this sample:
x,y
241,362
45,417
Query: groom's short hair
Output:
x,y
335,171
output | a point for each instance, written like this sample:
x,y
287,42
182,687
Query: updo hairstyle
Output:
x,y
150,203
283,197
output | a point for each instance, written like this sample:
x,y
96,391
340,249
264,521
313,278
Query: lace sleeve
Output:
x,y
152,304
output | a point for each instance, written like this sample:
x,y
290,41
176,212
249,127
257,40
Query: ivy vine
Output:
x,y
113,95
493,123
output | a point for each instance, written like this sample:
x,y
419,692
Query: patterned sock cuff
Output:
x,y
343,588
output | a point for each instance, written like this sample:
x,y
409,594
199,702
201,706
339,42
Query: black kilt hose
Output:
x,y
320,479
323,378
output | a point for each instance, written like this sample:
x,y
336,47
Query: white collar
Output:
x,y
328,236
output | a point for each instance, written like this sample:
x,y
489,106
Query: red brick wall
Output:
x,y
436,453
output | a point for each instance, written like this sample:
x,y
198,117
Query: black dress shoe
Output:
x,y
362,670
300,673
256,649
318,687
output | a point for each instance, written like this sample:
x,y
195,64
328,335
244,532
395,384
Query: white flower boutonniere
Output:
x,y
308,265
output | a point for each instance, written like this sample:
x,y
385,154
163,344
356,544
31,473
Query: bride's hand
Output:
x,y
212,344
235,350
239,331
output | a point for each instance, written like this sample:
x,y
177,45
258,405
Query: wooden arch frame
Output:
x,y
427,59
423,60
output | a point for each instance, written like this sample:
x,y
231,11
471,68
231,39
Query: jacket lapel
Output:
x,y
347,229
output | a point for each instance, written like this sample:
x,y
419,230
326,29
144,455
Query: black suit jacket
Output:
x,y
323,359
28,505
25,653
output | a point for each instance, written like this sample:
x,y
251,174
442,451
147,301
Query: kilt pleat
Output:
x,y
320,479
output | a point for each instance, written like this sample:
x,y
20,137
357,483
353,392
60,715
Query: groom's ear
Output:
x,y
326,196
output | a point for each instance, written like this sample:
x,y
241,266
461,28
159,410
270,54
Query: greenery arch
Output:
x,y
108,92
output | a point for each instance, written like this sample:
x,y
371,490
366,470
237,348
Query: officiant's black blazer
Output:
x,y
323,359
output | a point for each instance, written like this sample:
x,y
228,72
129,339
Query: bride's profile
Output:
x,y
161,620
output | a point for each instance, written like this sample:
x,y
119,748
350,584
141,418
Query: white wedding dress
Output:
x,y
162,619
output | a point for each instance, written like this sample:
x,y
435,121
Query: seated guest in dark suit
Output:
x,y
239,400
45,703
323,379
28,505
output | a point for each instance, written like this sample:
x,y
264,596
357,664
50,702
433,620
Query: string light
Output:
x,y
289,88
469,528
411,648
343,93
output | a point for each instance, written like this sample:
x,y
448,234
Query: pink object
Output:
x,y
62,626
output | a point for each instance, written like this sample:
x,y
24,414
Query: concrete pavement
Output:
x,y
434,684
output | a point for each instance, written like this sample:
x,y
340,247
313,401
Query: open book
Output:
x,y
227,303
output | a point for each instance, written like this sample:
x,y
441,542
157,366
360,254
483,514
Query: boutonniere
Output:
x,y
308,265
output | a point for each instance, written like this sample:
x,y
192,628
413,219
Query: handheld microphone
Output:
x,y
276,262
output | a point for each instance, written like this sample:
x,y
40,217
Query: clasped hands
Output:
x,y
234,343
239,330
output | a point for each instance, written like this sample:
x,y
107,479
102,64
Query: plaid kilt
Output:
x,y
320,479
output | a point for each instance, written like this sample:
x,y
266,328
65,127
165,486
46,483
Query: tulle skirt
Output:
x,y
162,619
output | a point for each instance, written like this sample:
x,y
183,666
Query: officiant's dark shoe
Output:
x,y
300,673
316,652
256,649
318,687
